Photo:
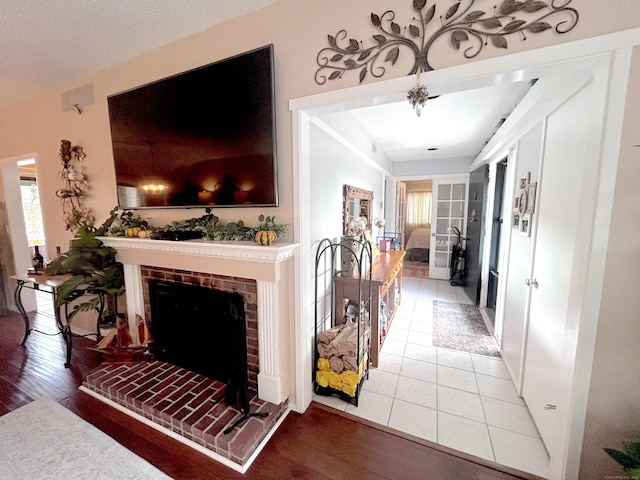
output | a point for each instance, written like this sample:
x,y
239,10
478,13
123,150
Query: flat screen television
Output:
x,y
202,138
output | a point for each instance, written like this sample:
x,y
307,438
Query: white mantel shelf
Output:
x,y
226,249
233,259
272,268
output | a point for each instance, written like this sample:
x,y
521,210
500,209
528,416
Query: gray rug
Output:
x,y
43,440
460,327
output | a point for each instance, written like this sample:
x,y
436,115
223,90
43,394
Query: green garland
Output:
x,y
208,225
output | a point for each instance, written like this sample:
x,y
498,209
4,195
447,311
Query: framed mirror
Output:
x,y
357,202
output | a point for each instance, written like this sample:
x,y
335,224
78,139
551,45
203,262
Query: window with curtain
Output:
x,y
418,209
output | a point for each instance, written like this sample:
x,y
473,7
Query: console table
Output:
x,y
48,284
386,279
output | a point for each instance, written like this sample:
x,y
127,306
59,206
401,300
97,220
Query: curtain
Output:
x,y
418,209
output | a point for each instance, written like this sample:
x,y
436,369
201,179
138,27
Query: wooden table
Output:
x,y
48,284
386,283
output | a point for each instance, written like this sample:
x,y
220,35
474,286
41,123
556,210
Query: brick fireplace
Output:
x,y
263,276
270,267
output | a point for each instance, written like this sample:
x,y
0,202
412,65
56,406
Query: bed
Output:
x,y
418,245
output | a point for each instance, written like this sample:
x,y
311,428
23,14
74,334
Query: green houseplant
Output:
x,y
97,279
628,457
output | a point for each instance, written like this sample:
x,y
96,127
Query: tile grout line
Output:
x,y
412,315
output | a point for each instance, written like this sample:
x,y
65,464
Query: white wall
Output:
x,y
432,167
613,413
355,134
334,164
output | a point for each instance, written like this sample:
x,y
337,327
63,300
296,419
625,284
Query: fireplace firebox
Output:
x,y
203,330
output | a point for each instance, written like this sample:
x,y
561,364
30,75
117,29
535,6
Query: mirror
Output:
x,y
356,203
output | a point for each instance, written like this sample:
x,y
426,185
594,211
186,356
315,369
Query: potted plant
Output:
x,y
96,277
628,457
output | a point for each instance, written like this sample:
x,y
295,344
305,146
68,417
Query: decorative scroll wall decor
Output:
x,y
467,28
75,187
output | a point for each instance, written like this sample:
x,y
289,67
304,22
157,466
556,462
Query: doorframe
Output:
x,y
536,63
17,227
485,274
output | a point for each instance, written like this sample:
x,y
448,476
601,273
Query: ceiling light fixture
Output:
x,y
418,96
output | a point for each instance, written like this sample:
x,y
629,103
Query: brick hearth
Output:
x,y
174,399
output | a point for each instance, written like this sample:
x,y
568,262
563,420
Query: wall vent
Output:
x,y
77,98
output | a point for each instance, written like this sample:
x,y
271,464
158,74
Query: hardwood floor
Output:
x,y
415,269
318,445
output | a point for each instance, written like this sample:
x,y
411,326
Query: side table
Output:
x,y
52,283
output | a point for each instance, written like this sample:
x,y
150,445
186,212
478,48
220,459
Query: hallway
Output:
x,y
459,400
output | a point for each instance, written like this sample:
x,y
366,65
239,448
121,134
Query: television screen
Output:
x,y
205,137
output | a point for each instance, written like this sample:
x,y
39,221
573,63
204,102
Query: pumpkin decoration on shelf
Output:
x,y
266,237
139,232
130,224
267,233
132,231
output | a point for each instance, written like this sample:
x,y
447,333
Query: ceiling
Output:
x,y
46,44
454,125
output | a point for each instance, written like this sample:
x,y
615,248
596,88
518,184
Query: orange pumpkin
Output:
x,y
266,237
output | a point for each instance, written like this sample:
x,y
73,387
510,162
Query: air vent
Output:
x,y
78,98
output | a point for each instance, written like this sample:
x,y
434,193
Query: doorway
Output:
x,y
497,219
24,222
32,211
592,60
478,183
30,197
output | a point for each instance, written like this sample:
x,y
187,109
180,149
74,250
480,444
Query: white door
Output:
x,y
401,207
526,162
557,265
448,213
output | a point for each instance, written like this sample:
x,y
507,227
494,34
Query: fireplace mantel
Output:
x,y
271,267
237,259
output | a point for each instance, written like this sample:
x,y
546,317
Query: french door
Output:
x,y
450,202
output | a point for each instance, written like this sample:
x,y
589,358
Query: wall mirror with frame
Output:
x,y
357,202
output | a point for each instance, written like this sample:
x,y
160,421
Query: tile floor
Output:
x,y
459,400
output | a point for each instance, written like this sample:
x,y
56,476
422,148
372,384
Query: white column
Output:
x,y
134,295
270,384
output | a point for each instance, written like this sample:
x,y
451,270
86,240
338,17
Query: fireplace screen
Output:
x,y
200,329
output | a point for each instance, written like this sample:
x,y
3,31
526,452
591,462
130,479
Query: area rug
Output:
x,y
460,326
44,440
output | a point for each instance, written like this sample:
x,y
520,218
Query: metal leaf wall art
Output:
x,y
468,29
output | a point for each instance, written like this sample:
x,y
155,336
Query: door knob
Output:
x,y
549,406
535,283
527,282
